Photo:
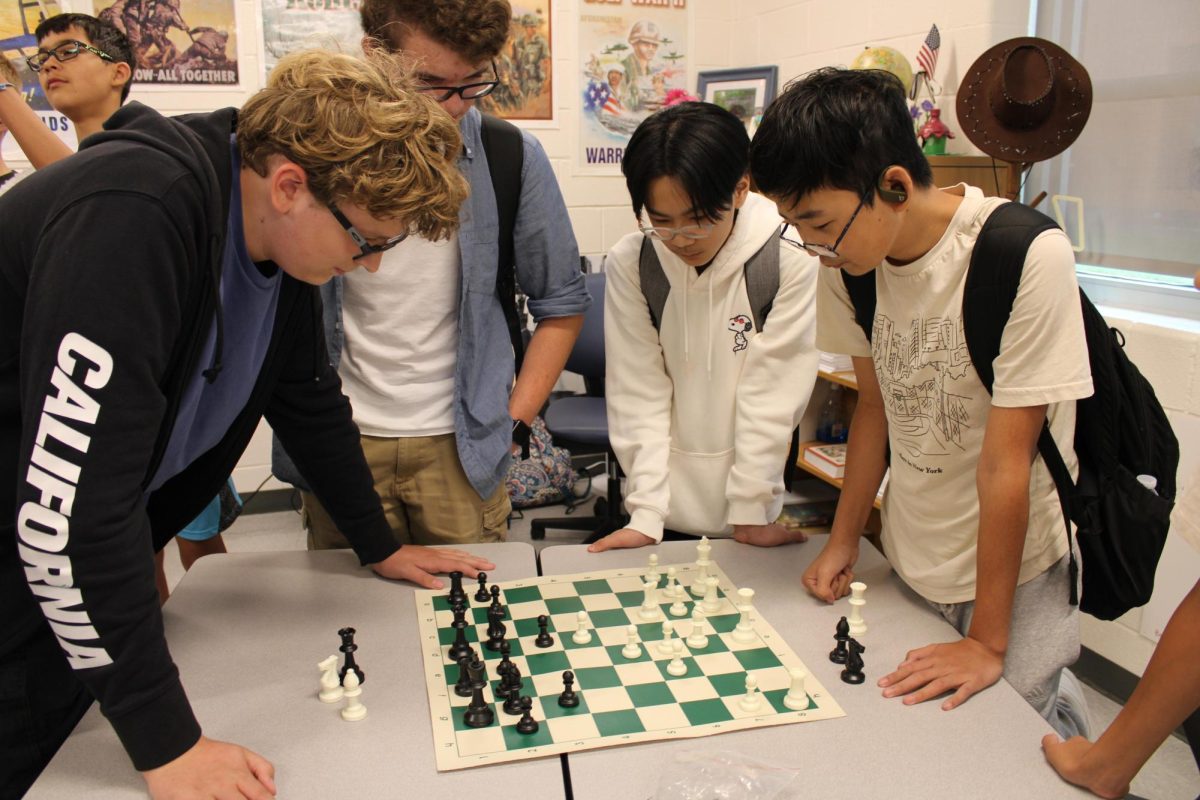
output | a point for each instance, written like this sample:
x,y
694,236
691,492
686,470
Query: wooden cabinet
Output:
x,y
994,177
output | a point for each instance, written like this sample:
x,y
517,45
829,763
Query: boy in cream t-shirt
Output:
x,y
971,520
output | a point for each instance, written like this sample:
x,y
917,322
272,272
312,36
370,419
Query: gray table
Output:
x,y
247,631
986,748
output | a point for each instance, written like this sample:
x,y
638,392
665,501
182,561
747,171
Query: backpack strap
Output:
x,y
655,286
505,152
762,281
993,278
861,289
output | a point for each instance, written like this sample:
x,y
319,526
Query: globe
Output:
x,y
887,59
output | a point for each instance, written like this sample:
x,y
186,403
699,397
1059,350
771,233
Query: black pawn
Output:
x,y
527,724
512,678
348,647
482,596
457,595
853,673
505,663
544,639
838,654
512,701
497,607
460,647
463,687
568,698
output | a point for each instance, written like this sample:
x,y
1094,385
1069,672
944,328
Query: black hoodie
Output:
x,y
109,262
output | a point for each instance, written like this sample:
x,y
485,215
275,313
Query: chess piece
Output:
x,y
838,654
857,626
582,635
568,698
527,723
853,673
463,687
505,663
354,710
482,595
457,596
478,714
460,647
632,649
677,667
743,632
512,701
674,590
477,673
752,700
697,640
797,697
652,573
664,645
495,630
496,607
331,686
700,584
544,639
712,601
348,647
650,610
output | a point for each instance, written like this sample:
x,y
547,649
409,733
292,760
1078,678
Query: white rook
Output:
x,y
744,630
857,625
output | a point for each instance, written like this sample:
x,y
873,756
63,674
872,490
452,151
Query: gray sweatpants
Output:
x,y
1042,642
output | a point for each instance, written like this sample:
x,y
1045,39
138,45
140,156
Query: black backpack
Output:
x,y
505,153
762,284
1121,431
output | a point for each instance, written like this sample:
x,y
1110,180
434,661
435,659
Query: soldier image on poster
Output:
x,y
151,26
525,66
642,92
531,52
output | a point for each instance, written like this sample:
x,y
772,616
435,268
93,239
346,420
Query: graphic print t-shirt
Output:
x,y
937,408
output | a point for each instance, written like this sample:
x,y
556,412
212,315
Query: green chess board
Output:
x,y
622,700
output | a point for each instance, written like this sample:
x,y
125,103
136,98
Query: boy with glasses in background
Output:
x,y
702,405
425,354
157,299
971,519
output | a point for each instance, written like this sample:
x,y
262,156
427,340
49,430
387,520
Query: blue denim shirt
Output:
x,y
547,260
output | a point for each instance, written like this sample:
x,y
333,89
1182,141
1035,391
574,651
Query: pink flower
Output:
x,y
676,96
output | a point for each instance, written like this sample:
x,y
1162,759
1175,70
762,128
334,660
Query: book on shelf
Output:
x,y
817,514
827,458
834,362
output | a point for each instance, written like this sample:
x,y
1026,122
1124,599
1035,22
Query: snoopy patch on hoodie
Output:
x,y
740,325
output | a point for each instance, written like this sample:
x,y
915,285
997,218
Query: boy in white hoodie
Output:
x,y
701,408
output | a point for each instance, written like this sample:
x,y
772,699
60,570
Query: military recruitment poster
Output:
x,y
633,58
289,25
18,20
188,42
525,66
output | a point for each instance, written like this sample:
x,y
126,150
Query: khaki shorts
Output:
x,y
426,497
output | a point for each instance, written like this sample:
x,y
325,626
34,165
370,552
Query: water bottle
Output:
x,y
831,426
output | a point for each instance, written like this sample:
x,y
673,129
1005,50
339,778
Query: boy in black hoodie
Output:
x,y
157,298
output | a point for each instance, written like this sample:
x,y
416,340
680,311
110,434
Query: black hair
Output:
x,y
103,35
701,145
836,129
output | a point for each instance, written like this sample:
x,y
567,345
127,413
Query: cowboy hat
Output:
x,y
1024,100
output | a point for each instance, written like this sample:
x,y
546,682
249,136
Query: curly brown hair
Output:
x,y
474,29
362,134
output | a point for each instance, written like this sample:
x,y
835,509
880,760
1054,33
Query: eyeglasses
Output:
x,y
366,247
820,250
63,52
664,234
470,91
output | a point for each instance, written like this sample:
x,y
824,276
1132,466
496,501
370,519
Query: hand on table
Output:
x,y
213,769
416,563
1073,761
964,667
771,535
617,540
829,576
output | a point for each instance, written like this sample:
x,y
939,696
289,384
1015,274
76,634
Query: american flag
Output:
x,y
601,99
928,54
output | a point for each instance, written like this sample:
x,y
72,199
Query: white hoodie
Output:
x,y
700,413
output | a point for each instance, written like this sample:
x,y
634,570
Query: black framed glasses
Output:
x,y
64,52
366,247
470,91
820,250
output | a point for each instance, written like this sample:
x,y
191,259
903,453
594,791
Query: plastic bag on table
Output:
x,y
707,775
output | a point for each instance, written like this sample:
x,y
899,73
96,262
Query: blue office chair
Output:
x,y
582,421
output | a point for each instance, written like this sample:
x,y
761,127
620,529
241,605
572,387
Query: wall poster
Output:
x,y
18,20
525,66
178,42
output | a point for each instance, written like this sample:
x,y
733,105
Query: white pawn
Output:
x,y
678,608
652,573
650,610
331,687
752,700
665,646
632,648
673,590
677,667
697,640
582,634
711,602
797,697
700,584
857,626
744,631
354,710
